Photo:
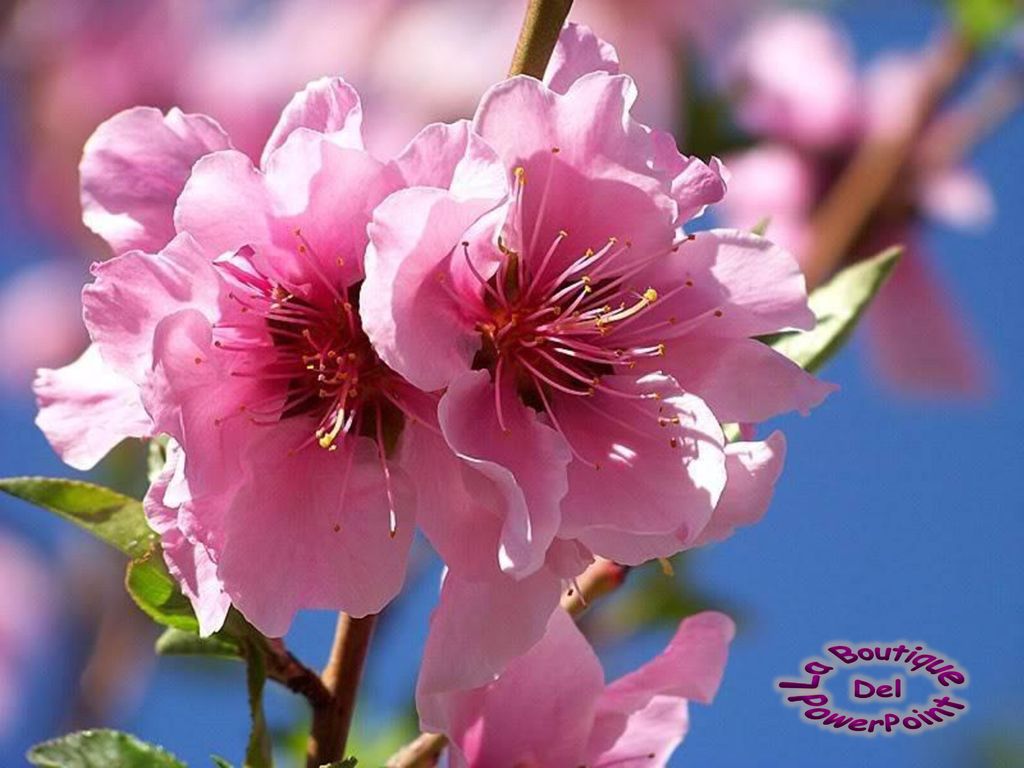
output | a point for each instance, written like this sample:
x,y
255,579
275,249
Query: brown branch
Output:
x,y
541,27
877,167
601,578
341,676
286,669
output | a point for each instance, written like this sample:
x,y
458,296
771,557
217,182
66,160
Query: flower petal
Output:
x,y
407,304
477,629
539,711
525,459
918,340
743,380
452,156
644,713
577,53
189,562
328,106
134,291
302,531
753,469
660,465
133,168
86,408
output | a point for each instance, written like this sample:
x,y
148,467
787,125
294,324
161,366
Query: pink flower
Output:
x,y
808,145
26,615
588,349
551,707
794,77
235,330
40,320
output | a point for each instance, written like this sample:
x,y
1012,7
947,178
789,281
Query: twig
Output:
x,y
876,168
541,27
600,578
422,752
331,721
286,669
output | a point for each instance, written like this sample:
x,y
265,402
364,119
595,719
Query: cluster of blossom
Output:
x,y
800,94
506,335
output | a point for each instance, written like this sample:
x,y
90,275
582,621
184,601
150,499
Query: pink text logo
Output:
x,y
880,677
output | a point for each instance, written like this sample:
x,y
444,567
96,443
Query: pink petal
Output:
x,y
526,461
407,304
958,197
86,408
224,205
133,168
476,631
301,532
757,286
753,470
578,52
452,508
328,106
600,149
539,711
919,338
743,380
188,561
321,198
797,79
451,156
644,712
134,291
653,476
695,184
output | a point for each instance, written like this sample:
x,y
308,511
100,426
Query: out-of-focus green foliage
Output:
x,y
985,21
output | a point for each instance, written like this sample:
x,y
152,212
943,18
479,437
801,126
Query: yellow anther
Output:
x,y
650,295
666,566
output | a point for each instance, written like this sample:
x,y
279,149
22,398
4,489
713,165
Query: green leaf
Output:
x,y
110,516
156,592
348,762
220,762
761,227
258,752
177,642
984,21
100,749
838,306
156,457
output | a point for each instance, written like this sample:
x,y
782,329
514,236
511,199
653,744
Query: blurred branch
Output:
x,y
877,166
957,133
541,27
333,718
602,577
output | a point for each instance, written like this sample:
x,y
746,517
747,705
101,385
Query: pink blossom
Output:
x,y
588,350
26,612
234,329
40,320
807,147
794,78
84,60
551,707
